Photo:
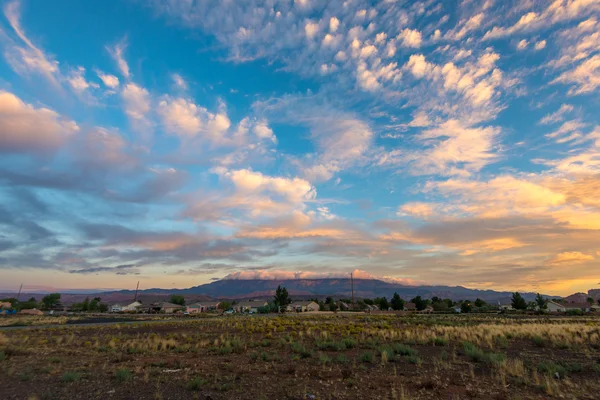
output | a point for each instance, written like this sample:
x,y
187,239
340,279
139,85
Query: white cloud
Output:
x,y
540,45
585,77
522,44
28,58
262,131
334,24
410,38
77,80
179,81
558,115
109,81
311,29
26,129
117,53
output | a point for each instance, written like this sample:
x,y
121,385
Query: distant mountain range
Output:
x,y
298,289
309,288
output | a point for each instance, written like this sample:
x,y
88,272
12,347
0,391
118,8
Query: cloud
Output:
x,y
179,81
570,257
77,80
540,45
410,38
522,45
585,77
137,103
27,129
109,81
558,115
117,53
27,58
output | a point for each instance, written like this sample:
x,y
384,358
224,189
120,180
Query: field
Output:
x,y
354,356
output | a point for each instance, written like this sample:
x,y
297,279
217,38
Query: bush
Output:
x,y
301,350
413,359
324,359
70,377
551,368
438,341
538,341
575,312
196,383
349,343
2,356
478,355
404,350
366,357
342,359
123,375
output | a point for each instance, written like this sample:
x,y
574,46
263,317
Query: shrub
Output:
x,y
70,377
439,341
349,343
366,357
196,383
551,368
414,359
574,367
324,359
538,341
342,359
301,350
123,375
404,350
2,356
473,352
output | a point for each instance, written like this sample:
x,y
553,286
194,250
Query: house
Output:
x,y
164,307
303,306
427,310
249,306
555,307
5,304
343,306
133,307
33,311
202,307
410,307
372,307
506,307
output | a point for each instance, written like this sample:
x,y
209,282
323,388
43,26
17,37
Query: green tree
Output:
x,y
518,302
27,305
466,307
449,302
383,303
479,303
85,306
50,300
440,306
94,304
420,303
328,300
103,307
590,301
369,301
541,302
12,300
332,306
282,297
397,302
532,305
178,299
435,299
224,305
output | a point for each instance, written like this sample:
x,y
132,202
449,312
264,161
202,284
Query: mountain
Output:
x,y
363,288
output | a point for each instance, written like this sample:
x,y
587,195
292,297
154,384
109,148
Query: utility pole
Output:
x,y
352,281
136,291
19,295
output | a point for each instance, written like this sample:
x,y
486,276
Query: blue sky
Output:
x,y
177,142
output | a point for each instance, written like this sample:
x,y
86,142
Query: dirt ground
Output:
x,y
307,357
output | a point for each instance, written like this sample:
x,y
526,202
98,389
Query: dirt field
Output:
x,y
308,357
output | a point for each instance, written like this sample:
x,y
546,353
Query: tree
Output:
x,y
224,305
93,306
466,307
369,301
518,302
420,303
397,302
590,301
85,306
435,299
332,306
383,303
102,307
282,297
541,302
449,302
328,300
479,303
12,300
51,300
27,305
440,306
178,299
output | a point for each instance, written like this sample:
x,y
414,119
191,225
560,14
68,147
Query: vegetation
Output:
x,y
282,297
518,302
397,303
178,299
50,301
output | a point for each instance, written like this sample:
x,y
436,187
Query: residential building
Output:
x,y
410,307
303,306
165,307
585,307
202,307
555,307
133,307
249,306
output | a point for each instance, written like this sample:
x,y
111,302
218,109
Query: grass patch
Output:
x,y
366,357
302,351
478,355
196,384
404,350
324,359
538,341
70,377
439,341
414,359
123,375
2,356
550,368
342,359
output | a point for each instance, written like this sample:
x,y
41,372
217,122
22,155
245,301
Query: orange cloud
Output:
x,y
571,257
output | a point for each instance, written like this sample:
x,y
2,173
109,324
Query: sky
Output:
x,y
176,142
